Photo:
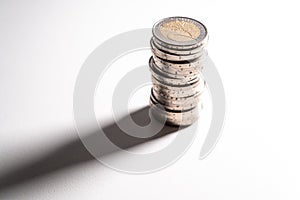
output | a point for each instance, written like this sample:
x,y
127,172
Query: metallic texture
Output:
x,y
178,48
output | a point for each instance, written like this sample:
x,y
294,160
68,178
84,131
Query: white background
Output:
x,y
254,44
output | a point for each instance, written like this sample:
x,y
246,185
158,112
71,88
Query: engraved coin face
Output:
x,y
180,31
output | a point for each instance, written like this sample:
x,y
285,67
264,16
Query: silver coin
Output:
x,y
169,106
201,45
175,73
175,108
176,115
170,93
183,73
176,100
179,121
176,118
165,106
177,93
176,51
180,32
174,122
177,85
172,78
185,65
177,88
186,115
174,57
189,52
183,84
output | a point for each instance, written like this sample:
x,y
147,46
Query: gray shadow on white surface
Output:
x,y
74,152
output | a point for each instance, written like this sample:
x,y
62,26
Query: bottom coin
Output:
x,y
178,118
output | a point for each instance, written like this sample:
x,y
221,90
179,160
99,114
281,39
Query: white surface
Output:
x,y
255,47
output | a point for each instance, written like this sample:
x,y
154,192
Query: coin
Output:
x,y
175,105
174,99
178,48
159,45
175,114
176,86
174,57
187,74
179,31
180,66
176,118
172,121
169,80
174,94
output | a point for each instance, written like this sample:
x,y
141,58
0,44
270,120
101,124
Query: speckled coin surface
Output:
x,y
174,57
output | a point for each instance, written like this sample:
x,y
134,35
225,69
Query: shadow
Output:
x,y
74,152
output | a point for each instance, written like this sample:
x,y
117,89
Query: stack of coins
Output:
x,y
178,47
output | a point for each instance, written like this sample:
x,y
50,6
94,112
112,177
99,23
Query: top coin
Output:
x,y
179,31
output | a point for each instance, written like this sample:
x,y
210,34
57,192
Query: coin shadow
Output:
x,y
74,152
